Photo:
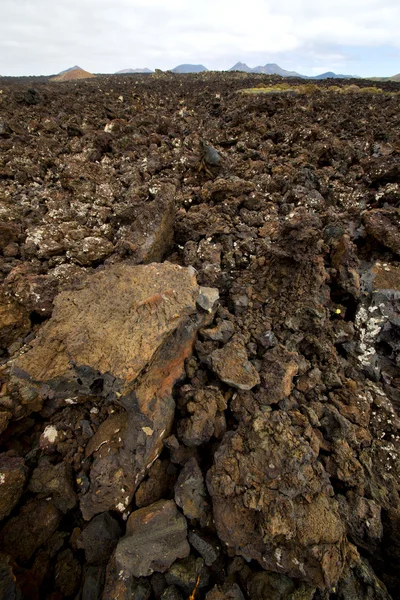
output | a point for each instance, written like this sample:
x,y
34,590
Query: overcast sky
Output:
x,y
103,36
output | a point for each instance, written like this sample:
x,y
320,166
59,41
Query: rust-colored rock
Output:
x,y
278,369
112,325
232,365
14,321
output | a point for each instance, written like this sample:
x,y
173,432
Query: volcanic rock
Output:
x,y
384,225
232,366
155,537
30,529
190,492
56,481
273,502
14,321
278,369
12,480
202,406
99,538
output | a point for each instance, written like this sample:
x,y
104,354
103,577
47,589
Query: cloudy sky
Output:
x,y
309,36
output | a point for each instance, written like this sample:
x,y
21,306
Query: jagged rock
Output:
x,y
232,366
67,572
345,261
111,326
202,406
190,492
207,298
30,529
184,573
149,235
363,518
275,586
383,225
220,333
226,592
14,321
207,549
161,478
273,501
155,537
171,593
12,480
56,481
99,538
278,369
93,583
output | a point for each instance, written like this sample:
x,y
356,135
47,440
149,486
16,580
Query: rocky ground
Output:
x,y
200,360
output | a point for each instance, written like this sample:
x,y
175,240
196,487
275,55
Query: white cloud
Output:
x,y
43,36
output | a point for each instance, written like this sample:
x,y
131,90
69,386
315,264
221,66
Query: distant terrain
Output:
x,y
189,69
132,71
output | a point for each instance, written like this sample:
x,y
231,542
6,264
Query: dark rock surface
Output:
x,y
199,339
155,537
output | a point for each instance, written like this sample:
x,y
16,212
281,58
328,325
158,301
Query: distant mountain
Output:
x,y
72,74
268,69
189,69
128,71
393,78
331,75
274,69
241,67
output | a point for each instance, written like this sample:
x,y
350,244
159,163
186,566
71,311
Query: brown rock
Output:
x,y
278,369
30,529
150,236
56,481
14,321
231,364
9,232
160,481
155,538
190,492
272,501
67,573
113,324
89,250
202,407
12,480
384,225
346,263
35,292
99,538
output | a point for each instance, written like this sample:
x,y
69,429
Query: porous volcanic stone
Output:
x,y
232,365
155,537
113,324
272,501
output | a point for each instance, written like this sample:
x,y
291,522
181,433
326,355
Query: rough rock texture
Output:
x,y
273,502
231,364
111,326
155,537
190,492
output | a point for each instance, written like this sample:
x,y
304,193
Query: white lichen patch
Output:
x,y
2,478
50,434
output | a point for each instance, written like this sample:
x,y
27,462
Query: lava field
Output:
x,y
199,338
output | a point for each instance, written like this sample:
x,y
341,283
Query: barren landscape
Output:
x,y
199,338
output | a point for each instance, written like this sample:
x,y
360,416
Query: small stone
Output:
x,y
232,366
56,481
221,333
184,573
155,537
279,366
99,538
207,299
190,492
207,549
171,593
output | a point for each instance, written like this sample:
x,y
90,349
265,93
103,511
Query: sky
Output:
x,y
43,37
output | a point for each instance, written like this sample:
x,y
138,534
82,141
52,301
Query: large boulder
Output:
x,y
273,501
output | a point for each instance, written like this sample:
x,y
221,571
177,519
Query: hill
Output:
x,y
133,71
72,74
189,69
